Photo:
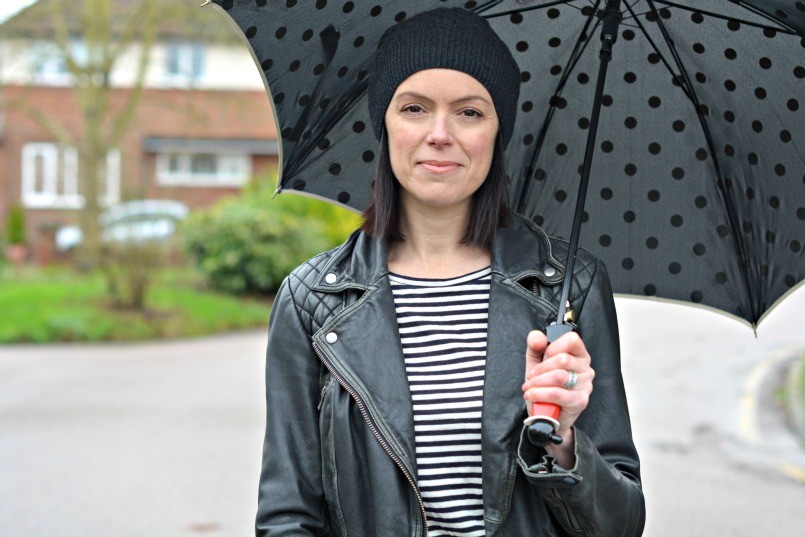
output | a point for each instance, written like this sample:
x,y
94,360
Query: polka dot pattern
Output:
x,y
697,189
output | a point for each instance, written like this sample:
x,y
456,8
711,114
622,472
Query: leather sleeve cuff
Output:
x,y
542,469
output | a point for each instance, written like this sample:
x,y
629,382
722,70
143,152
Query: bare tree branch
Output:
x,y
58,130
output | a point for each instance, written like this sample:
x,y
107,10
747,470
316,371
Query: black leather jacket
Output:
x,y
339,453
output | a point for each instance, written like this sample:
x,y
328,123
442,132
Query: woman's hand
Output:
x,y
548,370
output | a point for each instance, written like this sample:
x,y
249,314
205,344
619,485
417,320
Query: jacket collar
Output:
x,y
522,250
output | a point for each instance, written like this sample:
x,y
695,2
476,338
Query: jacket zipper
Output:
x,y
376,433
569,514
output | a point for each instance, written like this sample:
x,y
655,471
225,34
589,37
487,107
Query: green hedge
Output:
x,y
250,243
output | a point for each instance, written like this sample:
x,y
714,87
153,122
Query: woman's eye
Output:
x,y
471,113
412,109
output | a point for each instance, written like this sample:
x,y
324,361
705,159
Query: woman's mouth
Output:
x,y
439,166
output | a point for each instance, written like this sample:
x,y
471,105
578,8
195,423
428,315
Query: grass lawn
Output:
x,y
60,304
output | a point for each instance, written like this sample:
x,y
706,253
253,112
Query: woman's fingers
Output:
x,y
569,343
571,401
559,373
567,352
561,377
536,342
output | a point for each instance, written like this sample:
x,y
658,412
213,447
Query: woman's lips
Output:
x,y
438,166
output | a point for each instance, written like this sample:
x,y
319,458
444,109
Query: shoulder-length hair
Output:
x,y
489,210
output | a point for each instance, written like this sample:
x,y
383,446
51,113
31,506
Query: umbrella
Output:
x,y
697,188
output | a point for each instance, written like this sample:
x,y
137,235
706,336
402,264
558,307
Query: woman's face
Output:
x,y
441,128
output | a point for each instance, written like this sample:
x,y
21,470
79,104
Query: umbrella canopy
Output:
x,y
697,189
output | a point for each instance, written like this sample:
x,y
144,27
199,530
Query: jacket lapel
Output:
x,y
520,254
362,343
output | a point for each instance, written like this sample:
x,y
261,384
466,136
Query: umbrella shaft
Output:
x,y
609,34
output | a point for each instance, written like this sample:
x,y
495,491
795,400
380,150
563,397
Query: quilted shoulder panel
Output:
x,y
315,307
583,272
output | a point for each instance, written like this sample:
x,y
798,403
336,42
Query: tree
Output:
x,y
113,35
109,31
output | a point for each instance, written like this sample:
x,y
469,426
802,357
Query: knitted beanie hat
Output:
x,y
445,38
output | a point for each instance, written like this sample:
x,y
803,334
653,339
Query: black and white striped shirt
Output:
x,y
443,326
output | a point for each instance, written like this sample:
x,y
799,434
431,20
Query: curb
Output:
x,y
795,402
763,421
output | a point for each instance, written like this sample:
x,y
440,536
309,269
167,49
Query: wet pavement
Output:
x,y
718,458
164,439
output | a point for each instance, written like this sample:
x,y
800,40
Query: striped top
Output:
x,y
443,325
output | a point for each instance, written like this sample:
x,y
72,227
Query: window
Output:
x,y
50,177
49,65
203,169
184,62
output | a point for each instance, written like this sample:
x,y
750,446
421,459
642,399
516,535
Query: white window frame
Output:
x,y
222,178
57,186
190,62
49,66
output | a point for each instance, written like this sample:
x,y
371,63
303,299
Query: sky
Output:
x,y
10,7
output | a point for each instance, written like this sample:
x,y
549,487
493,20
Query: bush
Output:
x,y
16,225
129,269
250,243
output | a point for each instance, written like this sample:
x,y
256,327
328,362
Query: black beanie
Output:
x,y
446,38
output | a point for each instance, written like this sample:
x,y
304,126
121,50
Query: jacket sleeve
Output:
x,y
602,494
291,499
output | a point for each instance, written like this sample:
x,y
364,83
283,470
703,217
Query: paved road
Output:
x,y
131,440
717,460
156,440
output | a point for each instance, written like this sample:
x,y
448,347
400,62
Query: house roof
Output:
x,y
211,145
183,20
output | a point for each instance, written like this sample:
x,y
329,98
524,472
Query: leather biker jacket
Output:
x,y
339,454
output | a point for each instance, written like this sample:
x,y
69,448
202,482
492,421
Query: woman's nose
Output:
x,y
440,131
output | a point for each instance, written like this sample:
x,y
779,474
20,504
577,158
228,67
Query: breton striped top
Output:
x,y
443,325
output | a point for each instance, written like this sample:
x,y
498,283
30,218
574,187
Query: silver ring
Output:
x,y
572,377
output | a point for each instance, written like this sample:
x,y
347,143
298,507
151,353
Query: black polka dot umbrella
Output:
x,y
697,182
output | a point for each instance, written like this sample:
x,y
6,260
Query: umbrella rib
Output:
x,y
578,50
573,59
781,28
766,16
530,8
633,16
630,10
665,62
731,213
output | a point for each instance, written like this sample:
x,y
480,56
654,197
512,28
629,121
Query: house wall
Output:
x,y
162,113
225,67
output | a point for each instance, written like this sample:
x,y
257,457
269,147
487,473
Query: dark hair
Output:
x,y
489,211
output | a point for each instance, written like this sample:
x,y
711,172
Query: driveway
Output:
x,y
164,439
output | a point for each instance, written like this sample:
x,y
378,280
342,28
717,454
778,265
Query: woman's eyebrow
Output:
x,y
421,97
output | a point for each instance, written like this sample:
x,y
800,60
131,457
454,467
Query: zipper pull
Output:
x,y
321,397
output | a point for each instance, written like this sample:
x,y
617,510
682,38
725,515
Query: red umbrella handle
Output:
x,y
543,421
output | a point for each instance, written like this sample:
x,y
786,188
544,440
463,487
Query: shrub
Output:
x,y
16,225
250,243
129,269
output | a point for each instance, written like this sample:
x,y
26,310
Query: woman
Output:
x,y
395,393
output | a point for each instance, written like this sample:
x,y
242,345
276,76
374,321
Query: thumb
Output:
x,y
536,343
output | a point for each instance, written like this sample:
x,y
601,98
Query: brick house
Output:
x,y
203,127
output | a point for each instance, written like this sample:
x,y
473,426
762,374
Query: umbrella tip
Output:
x,y
206,3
